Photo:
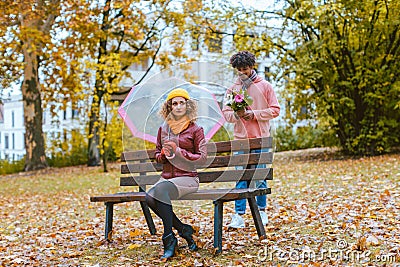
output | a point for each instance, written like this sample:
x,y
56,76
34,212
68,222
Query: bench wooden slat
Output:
x,y
206,177
219,147
212,162
120,197
226,194
209,194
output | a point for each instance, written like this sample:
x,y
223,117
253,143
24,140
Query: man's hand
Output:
x,y
249,115
245,114
241,113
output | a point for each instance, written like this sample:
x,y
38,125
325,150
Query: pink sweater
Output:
x,y
265,107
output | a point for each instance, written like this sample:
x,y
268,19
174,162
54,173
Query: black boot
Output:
x,y
170,242
187,232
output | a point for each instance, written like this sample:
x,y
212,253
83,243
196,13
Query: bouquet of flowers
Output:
x,y
238,100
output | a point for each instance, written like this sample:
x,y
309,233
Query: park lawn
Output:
x,y
324,210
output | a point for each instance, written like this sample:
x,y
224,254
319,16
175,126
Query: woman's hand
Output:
x,y
166,152
171,146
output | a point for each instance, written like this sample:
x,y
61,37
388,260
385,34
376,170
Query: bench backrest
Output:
x,y
139,167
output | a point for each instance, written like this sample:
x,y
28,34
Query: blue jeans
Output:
x,y
240,205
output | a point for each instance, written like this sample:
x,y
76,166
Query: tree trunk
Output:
x,y
34,141
36,20
94,139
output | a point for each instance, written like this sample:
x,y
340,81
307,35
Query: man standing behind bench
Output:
x,y
251,121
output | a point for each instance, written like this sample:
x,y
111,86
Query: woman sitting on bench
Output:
x,y
180,145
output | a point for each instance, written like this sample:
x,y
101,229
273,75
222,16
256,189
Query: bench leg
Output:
x,y
218,220
147,216
109,219
146,212
256,217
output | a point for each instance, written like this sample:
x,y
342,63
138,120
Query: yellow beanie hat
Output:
x,y
178,92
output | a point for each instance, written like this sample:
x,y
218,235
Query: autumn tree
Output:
x,y
341,60
25,42
108,38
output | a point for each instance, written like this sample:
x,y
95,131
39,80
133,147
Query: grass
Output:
x,y
319,200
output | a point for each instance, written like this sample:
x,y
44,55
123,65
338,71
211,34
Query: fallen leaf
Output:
x,y
133,246
135,233
362,243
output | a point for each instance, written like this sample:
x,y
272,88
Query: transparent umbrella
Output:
x,y
140,110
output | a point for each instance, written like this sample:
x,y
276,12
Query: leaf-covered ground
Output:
x,y
324,211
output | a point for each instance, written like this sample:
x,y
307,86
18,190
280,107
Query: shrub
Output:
x,y
68,152
303,137
7,167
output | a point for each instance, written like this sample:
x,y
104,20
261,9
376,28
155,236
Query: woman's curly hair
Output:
x,y
191,109
243,59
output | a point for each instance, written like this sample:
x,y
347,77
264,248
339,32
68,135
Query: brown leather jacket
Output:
x,y
191,151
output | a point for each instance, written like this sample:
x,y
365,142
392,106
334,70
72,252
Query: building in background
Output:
x,y
12,129
12,139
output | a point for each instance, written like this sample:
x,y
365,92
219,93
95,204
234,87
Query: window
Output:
x,y
266,73
143,65
215,43
12,119
13,141
195,41
303,110
74,113
65,114
6,141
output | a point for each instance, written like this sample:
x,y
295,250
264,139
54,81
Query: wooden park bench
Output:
x,y
139,169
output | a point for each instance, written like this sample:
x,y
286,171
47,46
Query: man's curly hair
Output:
x,y
191,109
243,59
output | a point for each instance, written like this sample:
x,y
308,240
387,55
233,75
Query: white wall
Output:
x,y
12,144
